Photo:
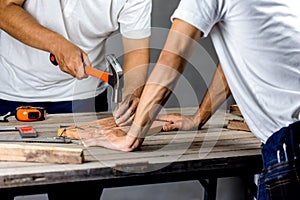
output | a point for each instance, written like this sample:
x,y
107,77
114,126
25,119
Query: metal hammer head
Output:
x,y
116,80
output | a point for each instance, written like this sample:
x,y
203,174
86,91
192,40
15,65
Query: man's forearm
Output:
x,y
164,76
135,66
216,94
157,90
21,25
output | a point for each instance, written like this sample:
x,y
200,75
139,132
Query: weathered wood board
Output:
x,y
238,125
91,129
40,153
234,109
207,153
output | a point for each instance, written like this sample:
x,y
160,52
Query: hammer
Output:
x,y
114,77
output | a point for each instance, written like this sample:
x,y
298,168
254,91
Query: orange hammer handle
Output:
x,y
96,73
104,76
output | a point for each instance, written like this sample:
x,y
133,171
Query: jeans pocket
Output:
x,y
283,183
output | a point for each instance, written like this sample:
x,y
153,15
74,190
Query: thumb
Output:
x,y
102,131
85,62
171,127
163,118
85,59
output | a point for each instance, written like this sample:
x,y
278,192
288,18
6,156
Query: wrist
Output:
x,y
135,91
136,136
54,39
133,142
200,118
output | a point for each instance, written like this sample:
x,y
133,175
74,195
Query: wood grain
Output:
x,y
91,129
40,153
238,125
206,152
234,109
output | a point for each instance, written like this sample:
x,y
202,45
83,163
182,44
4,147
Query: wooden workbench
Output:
x,y
202,155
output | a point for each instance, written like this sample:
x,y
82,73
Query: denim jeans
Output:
x,y
280,177
96,104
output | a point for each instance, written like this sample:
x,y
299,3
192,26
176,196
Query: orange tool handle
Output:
x,y
104,76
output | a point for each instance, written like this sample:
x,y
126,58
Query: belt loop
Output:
x,y
294,131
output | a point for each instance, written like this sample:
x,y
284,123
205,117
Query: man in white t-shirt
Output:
x,y
258,45
74,31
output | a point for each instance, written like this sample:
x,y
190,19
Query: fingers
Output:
x,y
163,118
74,68
175,121
102,142
85,62
122,108
115,140
127,122
80,74
72,60
99,141
79,70
93,142
170,127
124,115
169,117
126,118
103,131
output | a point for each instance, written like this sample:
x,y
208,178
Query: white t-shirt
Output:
x,y
258,45
27,74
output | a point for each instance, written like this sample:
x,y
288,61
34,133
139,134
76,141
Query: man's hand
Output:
x,y
125,112
178,122
111,139
71,59
135,68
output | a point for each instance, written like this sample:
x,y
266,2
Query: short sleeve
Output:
x,y
203,14
135,19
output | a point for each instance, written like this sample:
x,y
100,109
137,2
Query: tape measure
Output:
x,y
30,113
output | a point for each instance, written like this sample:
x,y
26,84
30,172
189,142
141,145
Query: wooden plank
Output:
x,y
91,129
234,109
238,125
182,151
181,142
40,153
155,152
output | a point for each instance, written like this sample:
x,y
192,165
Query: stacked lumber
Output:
x,y
237,124
234,109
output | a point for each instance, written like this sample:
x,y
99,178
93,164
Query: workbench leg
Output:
x,y
210,188
250,187
90,191
4,195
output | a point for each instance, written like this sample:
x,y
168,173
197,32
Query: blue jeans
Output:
x,y
280,178
96,104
